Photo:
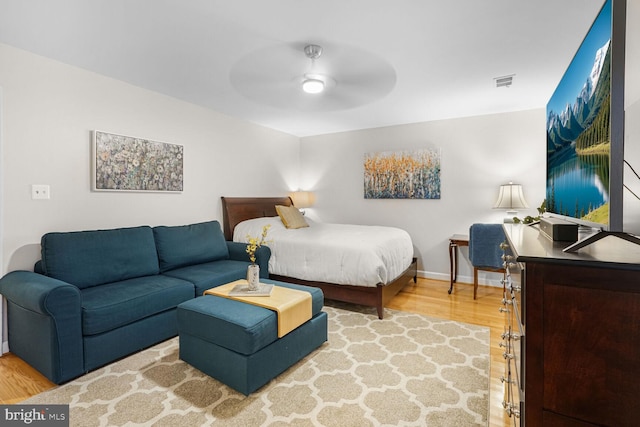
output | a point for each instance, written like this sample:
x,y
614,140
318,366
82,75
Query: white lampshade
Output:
x,y
313,86
302,199
511,197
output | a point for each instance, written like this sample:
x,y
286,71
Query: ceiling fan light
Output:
x,y
313,86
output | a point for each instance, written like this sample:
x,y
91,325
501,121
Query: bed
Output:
x,y
237,210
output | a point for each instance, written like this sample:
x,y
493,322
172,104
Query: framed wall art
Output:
x,y
126,163
402,174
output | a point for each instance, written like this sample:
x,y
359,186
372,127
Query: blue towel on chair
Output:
x,y
484,245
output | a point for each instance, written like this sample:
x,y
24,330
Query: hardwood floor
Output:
x,y
18,381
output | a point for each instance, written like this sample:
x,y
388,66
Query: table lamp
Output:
x,y
511,198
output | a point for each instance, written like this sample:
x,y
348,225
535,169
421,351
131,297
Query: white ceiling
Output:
x,y
445,54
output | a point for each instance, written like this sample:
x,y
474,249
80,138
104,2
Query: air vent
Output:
x,y
504,81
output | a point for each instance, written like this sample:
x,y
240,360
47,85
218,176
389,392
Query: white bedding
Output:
x,y
362,255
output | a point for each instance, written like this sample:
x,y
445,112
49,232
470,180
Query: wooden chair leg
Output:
x,y
475,282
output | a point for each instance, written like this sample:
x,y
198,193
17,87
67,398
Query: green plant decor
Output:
x,y
530,219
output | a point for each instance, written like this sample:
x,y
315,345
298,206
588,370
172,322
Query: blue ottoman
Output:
x,y
237,343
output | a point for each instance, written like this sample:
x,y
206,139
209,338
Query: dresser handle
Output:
x,y
510,410
508,355
503,310
505,380
504,245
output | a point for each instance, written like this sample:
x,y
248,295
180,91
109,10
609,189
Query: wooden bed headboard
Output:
x,y
238,209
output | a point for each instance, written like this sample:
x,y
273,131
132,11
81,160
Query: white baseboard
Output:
x,y
482,279
5,347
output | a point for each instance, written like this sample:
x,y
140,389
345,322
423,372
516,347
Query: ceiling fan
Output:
x,y
313,83
339,77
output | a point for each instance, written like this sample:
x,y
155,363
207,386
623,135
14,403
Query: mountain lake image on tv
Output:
x,y
578,130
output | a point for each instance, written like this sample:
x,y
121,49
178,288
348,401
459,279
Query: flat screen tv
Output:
x,y
585,128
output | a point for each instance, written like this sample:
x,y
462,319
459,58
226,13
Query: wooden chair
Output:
x,y
484,250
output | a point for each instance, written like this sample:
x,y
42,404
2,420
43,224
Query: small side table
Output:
x,y
455,242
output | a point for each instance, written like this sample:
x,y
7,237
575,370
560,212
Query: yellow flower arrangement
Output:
x,y
254,243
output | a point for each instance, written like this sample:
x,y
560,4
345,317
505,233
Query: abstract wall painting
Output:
x,y
402,174
125,163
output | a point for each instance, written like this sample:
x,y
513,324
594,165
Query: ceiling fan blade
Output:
x,y
273,76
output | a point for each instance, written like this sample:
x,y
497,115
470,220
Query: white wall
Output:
x,y
631,219
50,110
478,154
3,346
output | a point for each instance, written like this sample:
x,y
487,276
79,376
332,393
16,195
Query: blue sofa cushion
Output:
x,y
117,304
90,258
211,274
184,245
240,327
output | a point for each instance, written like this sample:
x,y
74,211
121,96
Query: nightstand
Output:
x,y
455,242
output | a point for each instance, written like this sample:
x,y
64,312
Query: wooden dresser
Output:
x,y
572,331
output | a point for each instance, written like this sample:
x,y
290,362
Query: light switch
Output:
x,y
40,192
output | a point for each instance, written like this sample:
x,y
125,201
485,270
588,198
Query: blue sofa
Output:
x,y
96,296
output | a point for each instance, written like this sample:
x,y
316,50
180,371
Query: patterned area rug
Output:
x,y
405,370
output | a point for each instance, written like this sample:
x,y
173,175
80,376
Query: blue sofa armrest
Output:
x,y
238,252
44,322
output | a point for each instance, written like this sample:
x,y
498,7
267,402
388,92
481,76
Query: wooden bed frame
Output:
x,y
238,209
